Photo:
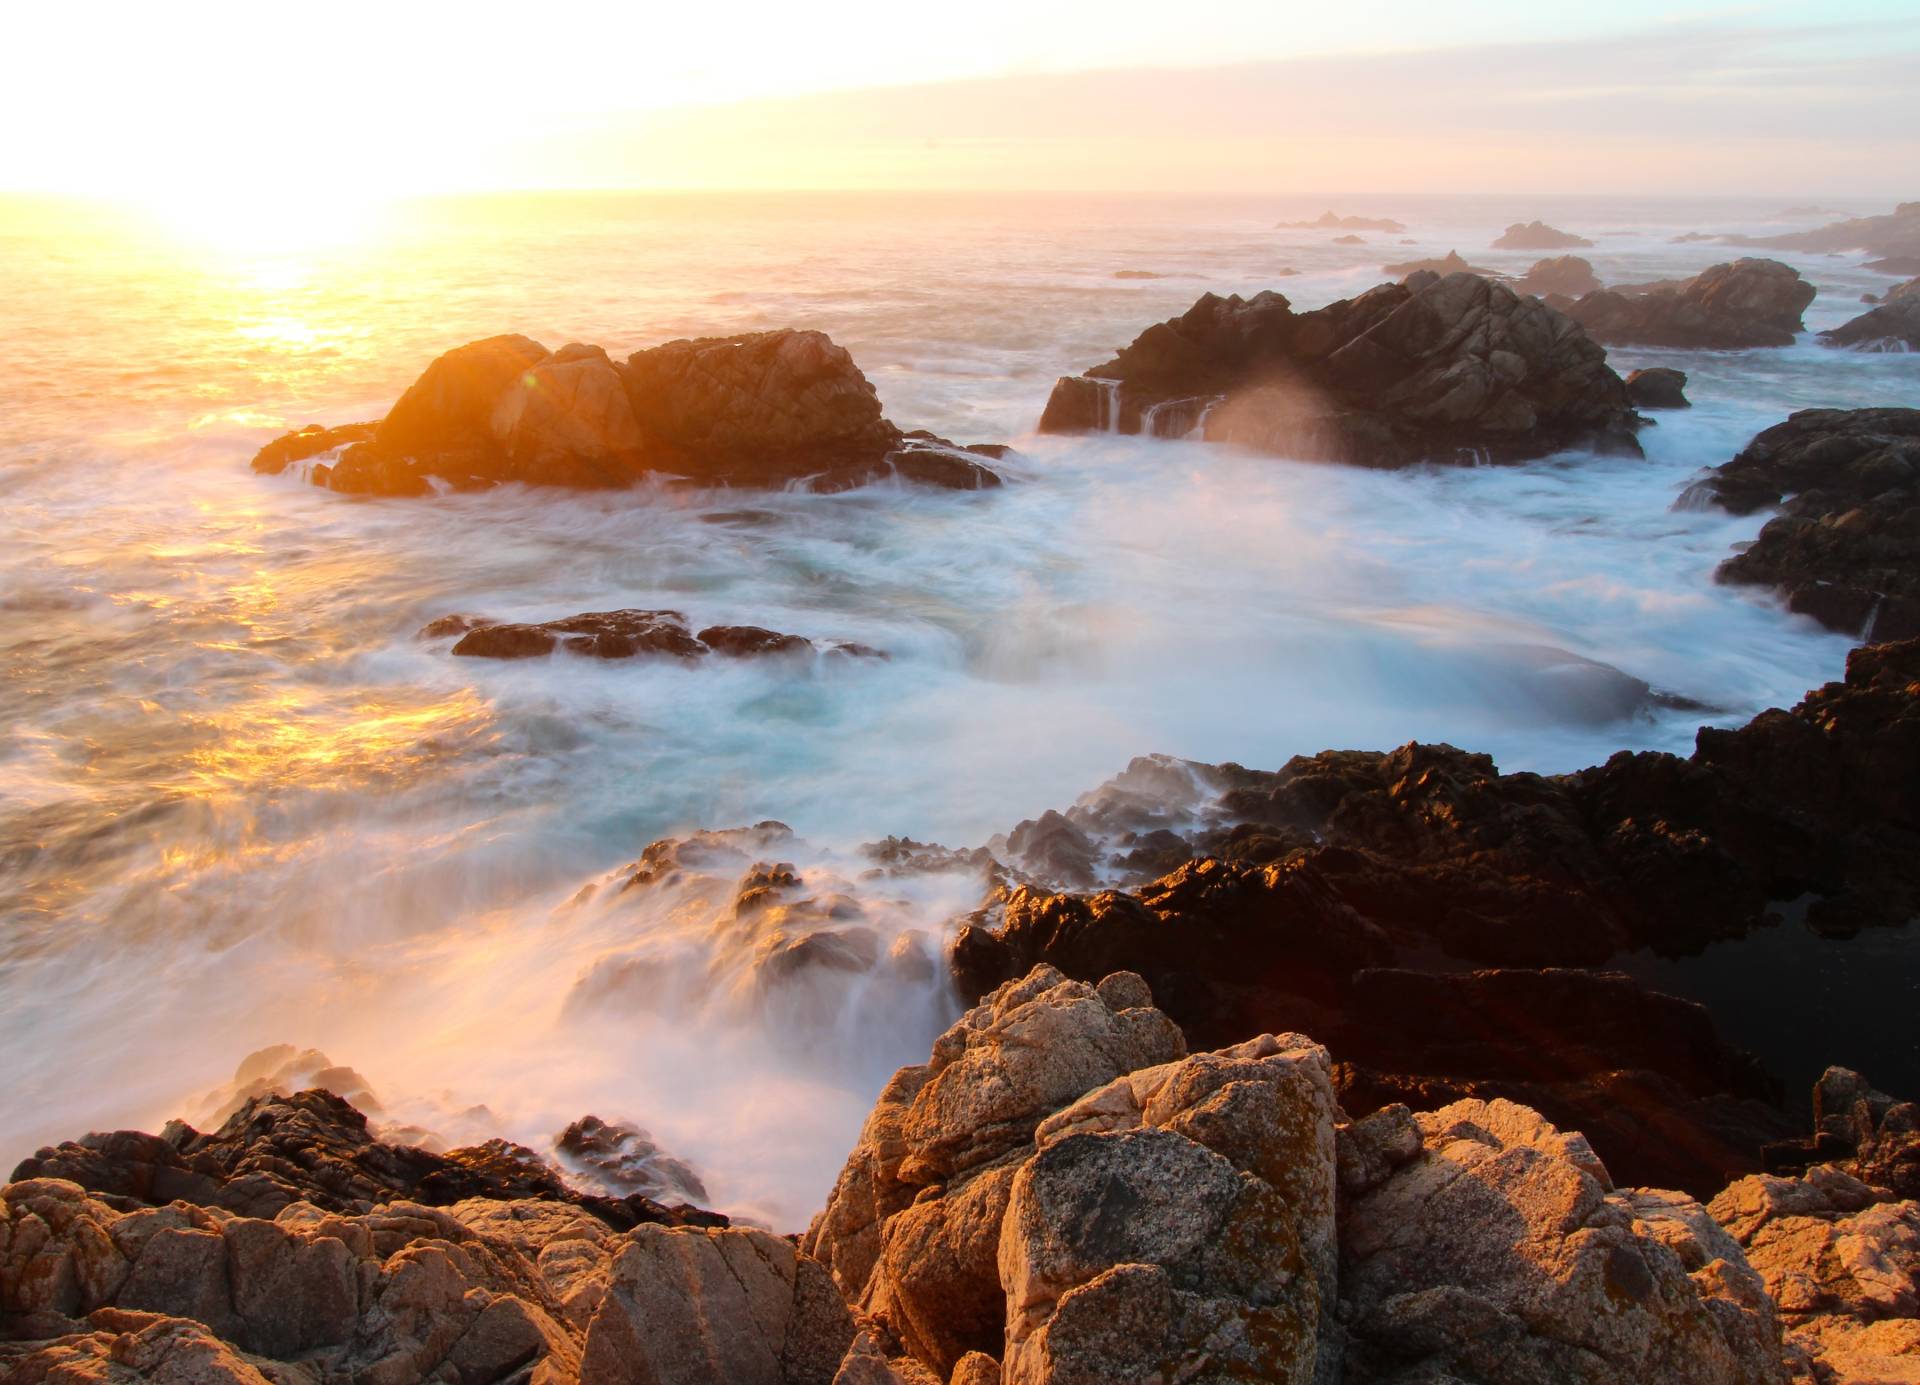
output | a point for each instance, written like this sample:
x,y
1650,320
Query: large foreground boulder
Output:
x,y
761,409
1743,304
1845,547
1454,369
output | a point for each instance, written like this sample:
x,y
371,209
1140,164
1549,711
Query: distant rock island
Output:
x,y
1329,221
1537,235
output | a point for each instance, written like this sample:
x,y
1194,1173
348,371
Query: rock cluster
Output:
x,y
761,409
1746,303
1537,235
1062,1195
1453,369
1845,547
1314,898
626,634
1893,326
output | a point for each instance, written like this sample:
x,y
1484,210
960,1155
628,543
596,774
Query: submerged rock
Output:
x,y
1537,235
760,409
624,634
1742,304
1845,548
1455,369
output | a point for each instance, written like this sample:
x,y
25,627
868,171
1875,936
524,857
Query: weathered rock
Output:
x,y
623,1159
1438,369
1746,303
761,409
1894,326
1500,1255
1061,1189
1842,1262
1859,1130
1568,275
1329,221
1845,548
1449,263
1659,387
1537,235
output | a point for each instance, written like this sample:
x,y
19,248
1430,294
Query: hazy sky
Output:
x,y
1204,95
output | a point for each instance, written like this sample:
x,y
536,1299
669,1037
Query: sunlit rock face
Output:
x,y
1746,303
1845,547
1453,369
761,409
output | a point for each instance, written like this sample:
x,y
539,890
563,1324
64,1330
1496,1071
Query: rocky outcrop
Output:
x,y
761,409
530,1290
626,634
1841,1260
1328,221
1891,235
1449,263
1845,547
1894,326
1569,276
1658,387
315,1149
1500,1251
1747,303
1317,897
1537,235
1454,369
1860,1130
1893,295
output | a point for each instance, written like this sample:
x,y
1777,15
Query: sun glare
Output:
x,y
253,222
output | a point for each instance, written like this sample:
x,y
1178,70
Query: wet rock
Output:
x,y
1497,1255
623,1159
1845,548
752,641
1537,235
760,409
1568,275
1330,221
625,634
1894,326
1454,369
1747,303
1659,387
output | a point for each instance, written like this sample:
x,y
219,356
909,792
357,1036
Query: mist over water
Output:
x,y
241,803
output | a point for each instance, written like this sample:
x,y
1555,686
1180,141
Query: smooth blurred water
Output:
x,y
240,803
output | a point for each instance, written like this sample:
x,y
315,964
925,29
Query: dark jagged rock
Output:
x,y
1746,303
625,1160
1893,326
1845,548
1858,1129
1569,276
1449,263
624,634
315,1147
761,409
1659,387
1328,221
1458,369
1537,235
1318,897
923,459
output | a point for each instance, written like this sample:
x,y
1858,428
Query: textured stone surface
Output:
x,y
1745,303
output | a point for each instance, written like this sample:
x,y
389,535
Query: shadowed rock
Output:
x,y
1568,276
1659,387
624,634
1894,326
1742,304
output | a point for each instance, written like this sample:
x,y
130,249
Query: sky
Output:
x,y
216,99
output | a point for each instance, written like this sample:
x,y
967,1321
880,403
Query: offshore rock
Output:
x,y
1743,304
1328,221
760,409
1449,263
1894,326
1537,235
624,634
1570,276
1845,548
1454,369
1658,387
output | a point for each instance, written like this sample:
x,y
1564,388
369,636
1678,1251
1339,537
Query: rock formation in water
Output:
x,y
1568,276
1349,240
625,634
1537,235
1658,387
1453,369
1062,1195
1893,326
1449,263
762,409
1894,234
1845,547
1328,221
1743,304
